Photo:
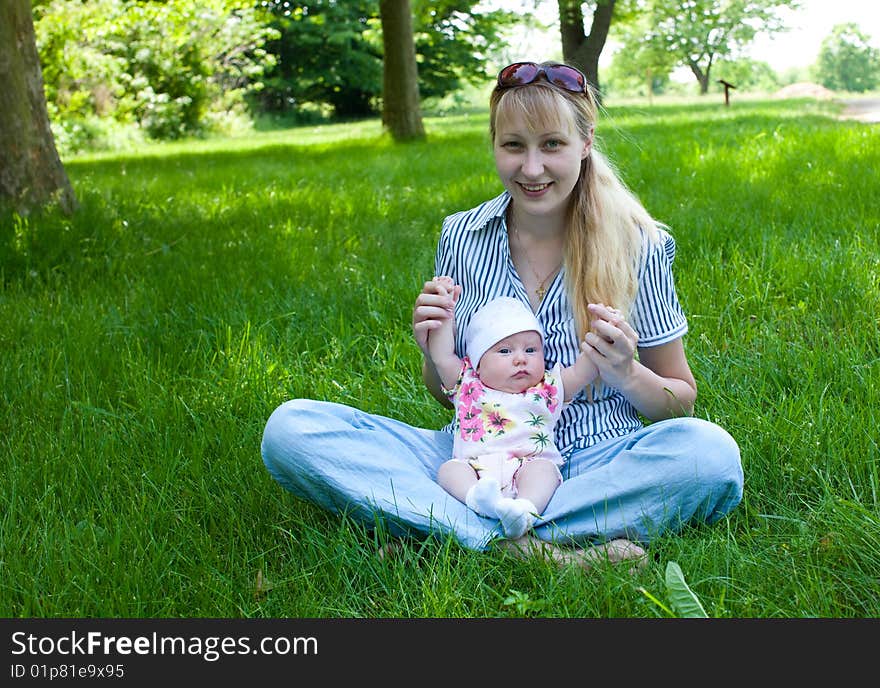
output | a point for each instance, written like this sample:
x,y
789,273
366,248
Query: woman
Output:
x,y
568,239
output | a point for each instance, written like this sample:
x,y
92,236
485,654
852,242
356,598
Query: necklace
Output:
x,y
541,289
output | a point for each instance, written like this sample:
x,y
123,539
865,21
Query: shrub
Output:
x,y
172,69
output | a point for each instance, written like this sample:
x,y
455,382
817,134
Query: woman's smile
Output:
x,y
534,190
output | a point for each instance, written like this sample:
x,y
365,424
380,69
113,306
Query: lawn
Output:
x,y
147,338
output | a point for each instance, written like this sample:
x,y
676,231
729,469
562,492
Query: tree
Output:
x,y
699,32
642,64
31,173
330,52
847,61
327,53
747,74
401,112
579,48
454,39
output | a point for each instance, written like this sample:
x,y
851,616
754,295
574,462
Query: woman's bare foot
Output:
x,y
614,551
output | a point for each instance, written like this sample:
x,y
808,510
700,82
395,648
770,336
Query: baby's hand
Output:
x,y
445,284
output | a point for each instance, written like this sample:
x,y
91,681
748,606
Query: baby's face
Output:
x,y
514,364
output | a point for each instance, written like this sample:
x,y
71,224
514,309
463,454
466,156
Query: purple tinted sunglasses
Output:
x,y
522,73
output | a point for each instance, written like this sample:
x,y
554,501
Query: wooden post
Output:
x,y
727,88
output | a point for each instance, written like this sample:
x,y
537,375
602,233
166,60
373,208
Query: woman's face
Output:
x,y
539,167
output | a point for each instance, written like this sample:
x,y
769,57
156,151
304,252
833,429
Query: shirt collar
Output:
x,y
490,210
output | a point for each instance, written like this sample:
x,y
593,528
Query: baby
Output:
x,y
504,463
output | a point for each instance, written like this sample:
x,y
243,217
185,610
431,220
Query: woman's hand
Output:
x,y
612,344
660,384
435,304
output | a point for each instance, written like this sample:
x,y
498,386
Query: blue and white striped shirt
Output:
x,y
473,250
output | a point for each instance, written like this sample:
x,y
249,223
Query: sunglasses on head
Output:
x,y
522,73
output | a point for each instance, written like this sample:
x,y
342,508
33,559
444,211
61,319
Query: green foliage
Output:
x,y
523,604
847,61
325,52
330,52
628,77
697,32
641,67
682,598
80,54
173,68
454,41
746,75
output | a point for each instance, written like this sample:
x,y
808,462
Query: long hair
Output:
x,y
607,224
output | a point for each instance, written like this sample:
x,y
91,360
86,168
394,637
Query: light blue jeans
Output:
x,y
653,481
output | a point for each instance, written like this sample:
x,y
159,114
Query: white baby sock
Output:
x,y
516,516
483,497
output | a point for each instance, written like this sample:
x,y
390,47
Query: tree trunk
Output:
x,y
31,173
401,112
579,49
702,77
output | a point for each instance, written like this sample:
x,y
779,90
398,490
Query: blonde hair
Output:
x,y
607,224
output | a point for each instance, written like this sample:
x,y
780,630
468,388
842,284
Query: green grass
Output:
x,y
147,339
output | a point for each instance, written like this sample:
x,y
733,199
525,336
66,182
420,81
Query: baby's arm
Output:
x,y
441,341
579,375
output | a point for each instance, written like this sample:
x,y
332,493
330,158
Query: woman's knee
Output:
x,y
719,452
702,452
717,465
287,425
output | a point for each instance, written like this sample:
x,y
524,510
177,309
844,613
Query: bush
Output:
x,y
172,69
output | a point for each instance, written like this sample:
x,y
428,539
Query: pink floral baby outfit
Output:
x,y
498,432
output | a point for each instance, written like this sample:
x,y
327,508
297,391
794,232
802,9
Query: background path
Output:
x,y
862,109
